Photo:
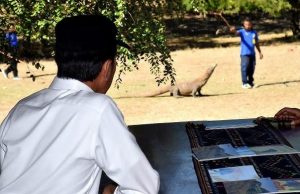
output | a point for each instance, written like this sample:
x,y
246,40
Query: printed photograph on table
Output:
x,y
246,151
273,150
278,166
214,152
233,174
263,185
287,185
224,125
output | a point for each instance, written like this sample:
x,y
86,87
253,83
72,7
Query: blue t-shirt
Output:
x,y
248,40
12,38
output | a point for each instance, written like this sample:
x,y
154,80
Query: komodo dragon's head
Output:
x,y
211,69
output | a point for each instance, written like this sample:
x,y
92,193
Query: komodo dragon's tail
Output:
x,y
159,91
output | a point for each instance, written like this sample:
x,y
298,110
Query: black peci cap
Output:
x,y
87,32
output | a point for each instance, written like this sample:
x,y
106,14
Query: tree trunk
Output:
x,y
295,17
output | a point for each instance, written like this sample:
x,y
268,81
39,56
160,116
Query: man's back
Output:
x,y
71,124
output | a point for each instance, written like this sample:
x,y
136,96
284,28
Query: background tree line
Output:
x,y
140,22
289,9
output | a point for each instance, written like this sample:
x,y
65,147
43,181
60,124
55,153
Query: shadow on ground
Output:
x,y
278,83
190,96
33,77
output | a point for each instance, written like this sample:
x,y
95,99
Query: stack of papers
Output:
x,y
223,151
214,152
287,185
263,185
265,150
233,173
230,125
244,179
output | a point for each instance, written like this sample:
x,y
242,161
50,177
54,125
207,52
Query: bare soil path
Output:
x,y
277,78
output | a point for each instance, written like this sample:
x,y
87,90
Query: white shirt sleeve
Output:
x,y
120,157
2,146
3,128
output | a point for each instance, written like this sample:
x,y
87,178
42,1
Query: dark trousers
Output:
x,y
247,68
13,62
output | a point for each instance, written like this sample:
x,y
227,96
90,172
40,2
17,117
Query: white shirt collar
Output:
x,y
68,84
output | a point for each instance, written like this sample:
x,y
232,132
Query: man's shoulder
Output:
x,y
91,98
90,102
83,99
241,30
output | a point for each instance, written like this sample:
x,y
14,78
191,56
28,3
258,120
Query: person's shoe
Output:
x,y
16,78
4,74
252,85
246,86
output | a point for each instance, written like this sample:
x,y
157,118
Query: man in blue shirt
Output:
x,y
11,37
249,40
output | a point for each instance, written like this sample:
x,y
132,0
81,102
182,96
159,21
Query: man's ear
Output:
x,y
107,69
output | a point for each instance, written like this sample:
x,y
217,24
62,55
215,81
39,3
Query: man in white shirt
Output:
x,y
60,139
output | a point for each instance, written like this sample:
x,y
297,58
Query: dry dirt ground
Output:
x,y
277,78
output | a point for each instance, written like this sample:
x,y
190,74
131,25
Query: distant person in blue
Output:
x,y
11,37
249,40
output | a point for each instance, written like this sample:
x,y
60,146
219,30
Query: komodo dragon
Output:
x,y
185,88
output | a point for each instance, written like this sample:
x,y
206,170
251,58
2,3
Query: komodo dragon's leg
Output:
x,y
175,91
194,92
199,92
172,91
